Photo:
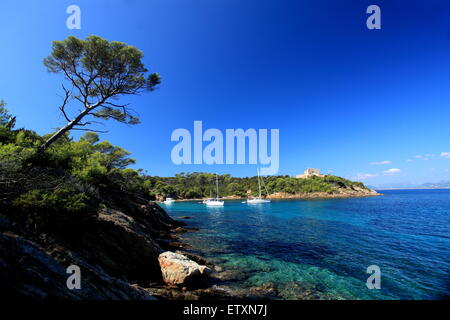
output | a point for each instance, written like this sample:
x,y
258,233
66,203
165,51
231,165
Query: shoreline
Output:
x,y
418,188
281,196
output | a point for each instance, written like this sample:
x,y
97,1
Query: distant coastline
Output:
x,y
199,186
314,195
414,188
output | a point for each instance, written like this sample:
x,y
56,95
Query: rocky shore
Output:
x,y
351,193
121,256
117,254
323,195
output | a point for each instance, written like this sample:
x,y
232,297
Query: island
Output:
x,y
311,184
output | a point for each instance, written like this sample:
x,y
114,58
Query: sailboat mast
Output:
x,y
265,187
217,186
259,183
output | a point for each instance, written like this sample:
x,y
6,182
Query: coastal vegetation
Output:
x,y
76,203
199,185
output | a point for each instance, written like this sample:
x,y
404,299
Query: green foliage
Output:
x,y
200,185
87,159
5,117
56,210
56,200
15,157
69,181
17,148
7,122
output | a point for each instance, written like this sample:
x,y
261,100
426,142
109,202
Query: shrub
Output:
x,y
53,210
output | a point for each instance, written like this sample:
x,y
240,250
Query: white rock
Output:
x,y
180,271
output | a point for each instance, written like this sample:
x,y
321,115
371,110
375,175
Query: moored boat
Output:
x,y
259,199
169,201
215,202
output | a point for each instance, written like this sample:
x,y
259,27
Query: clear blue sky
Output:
x,y
342,96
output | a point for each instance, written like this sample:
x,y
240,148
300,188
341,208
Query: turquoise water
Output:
x,y
323,247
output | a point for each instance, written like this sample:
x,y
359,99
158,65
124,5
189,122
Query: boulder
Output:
x,y
178,270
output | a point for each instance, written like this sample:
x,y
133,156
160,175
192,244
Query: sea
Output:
x,y
327,248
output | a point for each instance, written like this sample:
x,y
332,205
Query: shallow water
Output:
x,y
322,248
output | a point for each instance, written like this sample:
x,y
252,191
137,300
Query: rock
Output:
x,y
178,270
266,290
119,244
27,271
212,293
116,250
178,244
200,260
179,230
230,275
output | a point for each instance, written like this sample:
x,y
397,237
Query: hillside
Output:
x,y
200,185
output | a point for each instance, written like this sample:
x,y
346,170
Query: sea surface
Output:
x,y
320,249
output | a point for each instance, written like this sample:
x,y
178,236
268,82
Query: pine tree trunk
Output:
x,y
63,130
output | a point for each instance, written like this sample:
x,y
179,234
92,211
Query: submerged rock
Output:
x,y
229,275
178,270
211,293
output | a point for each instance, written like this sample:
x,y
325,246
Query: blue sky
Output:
x,y
343,97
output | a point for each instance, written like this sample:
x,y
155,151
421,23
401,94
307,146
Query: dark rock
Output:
x,y
212,293
117,243
112,249
179,230
178,244
267,290
26,270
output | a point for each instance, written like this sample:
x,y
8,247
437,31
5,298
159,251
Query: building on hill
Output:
x,y
309,173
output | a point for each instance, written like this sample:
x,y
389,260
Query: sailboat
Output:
x,y
258,200
169,201
209,199
215,201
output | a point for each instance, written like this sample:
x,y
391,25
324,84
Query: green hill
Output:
x,y
200,185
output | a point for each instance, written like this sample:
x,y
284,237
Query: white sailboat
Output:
x,y
215,202
259,200
209,199
169,201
